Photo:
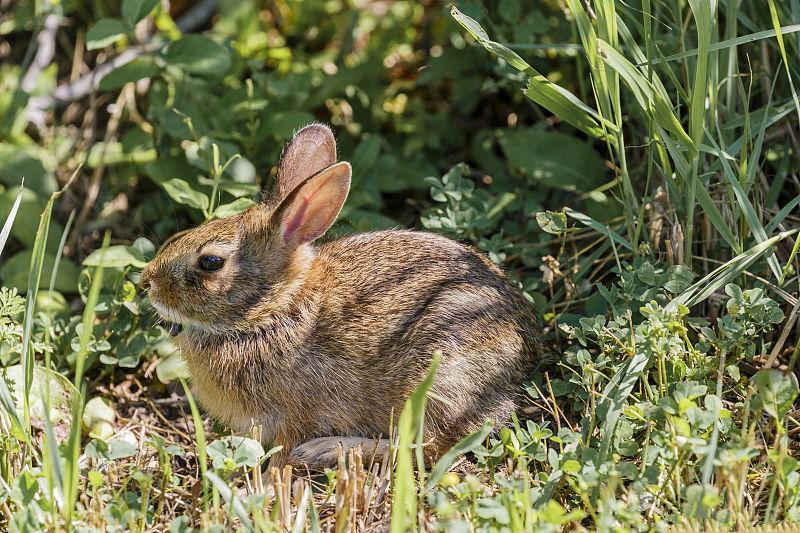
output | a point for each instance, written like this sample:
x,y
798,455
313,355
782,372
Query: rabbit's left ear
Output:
x,y
312,149
309,210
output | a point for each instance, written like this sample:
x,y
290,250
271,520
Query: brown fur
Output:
x,y
328,341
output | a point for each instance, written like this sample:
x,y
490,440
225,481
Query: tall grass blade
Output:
x,y
314,525
60,250
726,273
782,47
72,471
702,196
605,87
648,98
465,445
792,255
10,407
230,498
702,10
755,154
730,43
609,408
600,228
300,517
552,97
4,233
404,501
708,467
200,439
34,278
781,215
703,17
747,209
53,467
715,216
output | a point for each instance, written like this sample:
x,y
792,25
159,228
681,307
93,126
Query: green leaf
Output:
x,y
14,272
679,278
553,158
117,256
60,393
18,161
181,192
122,445
554,222
199,55
554,513
233,452
135,10
571,466
105,32
777,391
171,368
234,208
129,353
98,418
139,68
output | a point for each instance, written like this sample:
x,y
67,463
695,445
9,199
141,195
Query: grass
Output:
x,y
670,395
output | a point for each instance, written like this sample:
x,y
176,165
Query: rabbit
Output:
x,y
321,345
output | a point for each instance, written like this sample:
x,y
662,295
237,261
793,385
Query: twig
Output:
x,y
81,87
45,50
782,339
94,186
75,90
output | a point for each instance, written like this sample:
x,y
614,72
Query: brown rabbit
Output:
x,y
320,344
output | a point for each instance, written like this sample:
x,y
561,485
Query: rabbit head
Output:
x,y
223,275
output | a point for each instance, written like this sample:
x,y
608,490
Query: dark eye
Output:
x,y
210,263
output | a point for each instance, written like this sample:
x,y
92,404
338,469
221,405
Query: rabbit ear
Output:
x,y
312,149
307,213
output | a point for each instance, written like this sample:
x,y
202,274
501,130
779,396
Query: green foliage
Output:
x,y
627,164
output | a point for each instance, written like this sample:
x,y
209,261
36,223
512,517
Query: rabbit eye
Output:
x,y
210,263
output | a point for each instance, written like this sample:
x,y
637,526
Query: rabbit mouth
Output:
x,y
174,322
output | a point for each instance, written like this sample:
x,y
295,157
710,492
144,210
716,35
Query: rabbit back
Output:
x,y
393,298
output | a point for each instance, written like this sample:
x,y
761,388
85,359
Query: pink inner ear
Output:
x,y
315,206
295,219
302,211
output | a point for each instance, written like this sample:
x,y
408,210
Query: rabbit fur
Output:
x,y
321,345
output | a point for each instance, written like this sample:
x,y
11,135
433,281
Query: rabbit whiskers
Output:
x,y
175,322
